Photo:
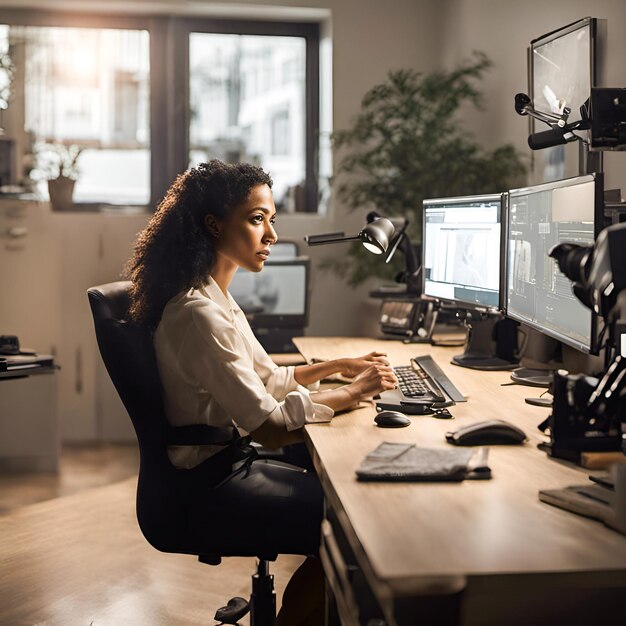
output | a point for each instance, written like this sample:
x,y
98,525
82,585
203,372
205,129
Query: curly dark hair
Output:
x,y
175,252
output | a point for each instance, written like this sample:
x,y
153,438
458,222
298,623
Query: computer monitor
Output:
x,y
462,261
284,249
537,293
277,297
462,250
563,66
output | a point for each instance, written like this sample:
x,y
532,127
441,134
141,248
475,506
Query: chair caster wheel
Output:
x,y
233,611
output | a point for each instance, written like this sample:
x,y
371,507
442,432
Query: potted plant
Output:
x,y
60,165
405,145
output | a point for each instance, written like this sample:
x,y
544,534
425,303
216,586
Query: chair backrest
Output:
x,y
163,492
167,497
128,355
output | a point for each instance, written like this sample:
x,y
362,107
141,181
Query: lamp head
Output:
x,y
377,235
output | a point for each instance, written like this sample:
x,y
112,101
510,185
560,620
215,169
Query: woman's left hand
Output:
x,y
350,368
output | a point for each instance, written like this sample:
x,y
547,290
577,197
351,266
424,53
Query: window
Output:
x,y
144,98
88,88
235,88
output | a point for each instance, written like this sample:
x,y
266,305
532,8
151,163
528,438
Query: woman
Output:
x,y
214,219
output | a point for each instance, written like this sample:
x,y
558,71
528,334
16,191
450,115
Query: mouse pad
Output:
x,y
406,462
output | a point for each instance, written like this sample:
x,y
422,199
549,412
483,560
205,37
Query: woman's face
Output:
x,y
247,232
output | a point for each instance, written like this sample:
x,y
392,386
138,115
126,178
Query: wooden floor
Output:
x,y
82,466
71,553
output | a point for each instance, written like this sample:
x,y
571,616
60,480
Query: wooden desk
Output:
x,y
476,552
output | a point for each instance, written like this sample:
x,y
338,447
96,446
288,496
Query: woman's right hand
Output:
x,y
373,380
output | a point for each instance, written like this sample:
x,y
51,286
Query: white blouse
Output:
x,y
214,371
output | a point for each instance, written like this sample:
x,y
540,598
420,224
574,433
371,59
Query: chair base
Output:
x,y
262,605
234,610
263,598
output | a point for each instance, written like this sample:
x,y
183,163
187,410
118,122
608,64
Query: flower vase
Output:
x,y
61,190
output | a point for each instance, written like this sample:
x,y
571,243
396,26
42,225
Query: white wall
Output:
x,y
503,29
369,38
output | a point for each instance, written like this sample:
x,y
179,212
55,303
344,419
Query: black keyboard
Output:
x,y
422,389
414,384
424,380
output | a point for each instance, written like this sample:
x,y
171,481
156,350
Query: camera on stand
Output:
x,y
589,413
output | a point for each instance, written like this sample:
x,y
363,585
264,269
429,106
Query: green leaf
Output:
x,y
405,145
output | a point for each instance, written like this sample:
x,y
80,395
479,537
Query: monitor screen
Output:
x,y
275,297
562,69
537,293
284,250
462,250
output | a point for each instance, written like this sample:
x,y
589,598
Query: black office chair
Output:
x,y
167,497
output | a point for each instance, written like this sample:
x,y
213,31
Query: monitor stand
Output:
x,y
542,401
532,377
542,356
491,343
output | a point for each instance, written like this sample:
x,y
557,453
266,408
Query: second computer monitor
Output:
x,y
537,293
462,250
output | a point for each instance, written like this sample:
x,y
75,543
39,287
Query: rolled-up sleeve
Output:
x,y
219,360
282,380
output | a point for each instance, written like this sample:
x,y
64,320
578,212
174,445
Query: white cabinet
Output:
x,y
95,249
47,262
29,430
30,270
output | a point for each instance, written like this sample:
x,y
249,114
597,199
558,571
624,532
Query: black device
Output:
x,y
608,118
490,432
275,301
9,344
410,318
462,261
391,419
589,412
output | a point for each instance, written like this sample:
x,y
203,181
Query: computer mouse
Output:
x,y
391,419
490,432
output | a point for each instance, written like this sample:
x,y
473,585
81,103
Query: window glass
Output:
x,y
87,89
247,103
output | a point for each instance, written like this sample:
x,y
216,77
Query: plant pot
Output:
x,y
61,190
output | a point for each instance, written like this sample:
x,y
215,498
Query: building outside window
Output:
x,y
89,88
146,98
242,103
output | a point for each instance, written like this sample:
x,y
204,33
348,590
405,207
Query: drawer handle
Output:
x,y
16,232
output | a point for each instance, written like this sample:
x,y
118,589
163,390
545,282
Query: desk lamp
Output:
x,y
412,268
382,235
375,236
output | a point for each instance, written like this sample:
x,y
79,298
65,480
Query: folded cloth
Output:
x,y
406,462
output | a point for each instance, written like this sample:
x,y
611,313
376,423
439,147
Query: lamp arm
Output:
x,y
413,268
320,240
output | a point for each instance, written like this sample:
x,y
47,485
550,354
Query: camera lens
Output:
x,y
573,260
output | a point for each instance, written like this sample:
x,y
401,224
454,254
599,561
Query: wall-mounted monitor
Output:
x,y
536,292
563,67
461,258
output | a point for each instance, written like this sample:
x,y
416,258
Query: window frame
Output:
x,y
309,31
169,86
